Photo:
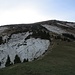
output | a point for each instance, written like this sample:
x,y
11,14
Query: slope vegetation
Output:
x,y
58,61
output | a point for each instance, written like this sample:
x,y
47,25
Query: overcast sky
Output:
x,y
30,11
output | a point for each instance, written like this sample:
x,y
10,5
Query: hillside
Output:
x,y
43,48
60,60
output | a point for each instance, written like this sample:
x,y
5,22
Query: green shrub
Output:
x,y
25,60
17,59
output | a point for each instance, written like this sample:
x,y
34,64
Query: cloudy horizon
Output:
x,y
30,11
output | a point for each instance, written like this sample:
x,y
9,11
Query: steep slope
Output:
x,y
27,41
30,41
60,25
60,60
66,29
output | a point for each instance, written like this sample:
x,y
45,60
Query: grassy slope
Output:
x,y
60,61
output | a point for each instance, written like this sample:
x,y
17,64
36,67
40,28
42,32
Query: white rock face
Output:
x,y
71,25
25,49
67,25
54,29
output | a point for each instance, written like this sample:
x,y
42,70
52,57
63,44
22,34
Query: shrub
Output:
x,y
69,36
17,59
25,60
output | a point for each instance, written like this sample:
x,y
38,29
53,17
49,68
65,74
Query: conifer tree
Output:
x,y
8,61
0,63
17,59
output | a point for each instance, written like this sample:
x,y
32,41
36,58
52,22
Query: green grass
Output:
x,y
59,61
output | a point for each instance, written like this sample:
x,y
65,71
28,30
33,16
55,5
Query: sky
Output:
x,y
31,11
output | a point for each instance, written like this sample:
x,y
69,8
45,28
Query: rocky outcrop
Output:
x,y
26,42
26,49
